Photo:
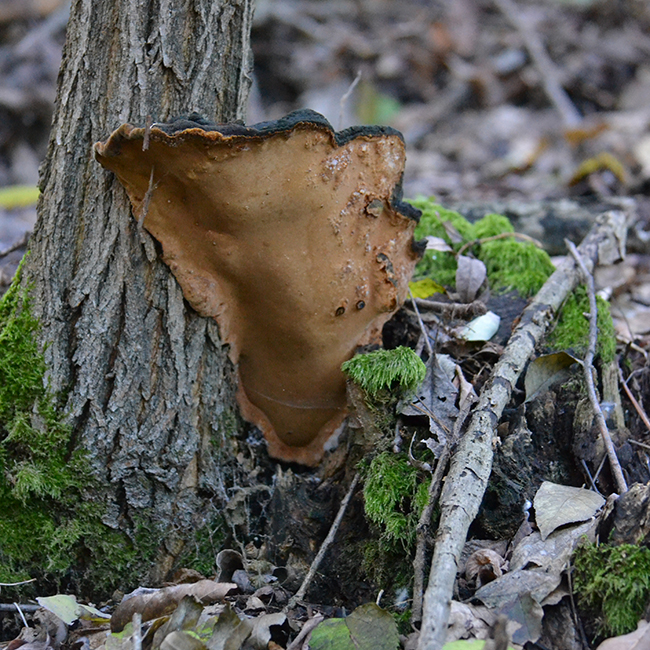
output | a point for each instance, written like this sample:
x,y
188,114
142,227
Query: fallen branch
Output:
x,y
472,463
16,245
635,403
588,367
422,531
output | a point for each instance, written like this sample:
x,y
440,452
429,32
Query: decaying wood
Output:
x,y
422,533
471,465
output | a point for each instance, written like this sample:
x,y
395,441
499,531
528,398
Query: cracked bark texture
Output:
x,y
149,388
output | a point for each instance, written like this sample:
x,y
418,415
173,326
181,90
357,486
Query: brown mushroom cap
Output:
x,y
293,237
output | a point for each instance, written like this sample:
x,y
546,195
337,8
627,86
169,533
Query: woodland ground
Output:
x,y
475,87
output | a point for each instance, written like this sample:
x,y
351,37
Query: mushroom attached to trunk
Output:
x,y
293,237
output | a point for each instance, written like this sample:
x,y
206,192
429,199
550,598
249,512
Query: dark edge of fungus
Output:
x,y
303,116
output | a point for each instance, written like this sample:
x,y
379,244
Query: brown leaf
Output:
x,y
470,275
160,602
483,566
637,640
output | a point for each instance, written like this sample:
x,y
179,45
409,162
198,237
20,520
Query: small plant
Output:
x,y
615,582
385,371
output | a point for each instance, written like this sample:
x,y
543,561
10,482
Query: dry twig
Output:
x,y
588,367
451,310
306,629
422,533
503,235
637,407
472,463
16,245
300,594
423,329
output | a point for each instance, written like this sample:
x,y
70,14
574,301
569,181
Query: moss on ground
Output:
x,y
572,330
613,582
386,371
510,263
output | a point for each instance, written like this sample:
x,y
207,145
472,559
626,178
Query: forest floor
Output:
x,y
536,110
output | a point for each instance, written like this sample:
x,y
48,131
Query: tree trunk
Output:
x,y
149,390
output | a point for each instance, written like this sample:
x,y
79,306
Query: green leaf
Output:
x,y
332,634
368,628
425,288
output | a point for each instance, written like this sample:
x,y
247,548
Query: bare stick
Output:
x,y
634,401
589,476
450,309
137,630
427,343
588,367
20,611
306,629
298,597
545,66
422,532
16,245
472,462
503,235
346,96
11,607
16,584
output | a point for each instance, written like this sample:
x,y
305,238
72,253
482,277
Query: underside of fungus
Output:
x,y
293,237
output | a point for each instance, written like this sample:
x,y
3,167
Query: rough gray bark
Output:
x,y
148,384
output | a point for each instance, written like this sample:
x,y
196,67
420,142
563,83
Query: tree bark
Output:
x,y
149,388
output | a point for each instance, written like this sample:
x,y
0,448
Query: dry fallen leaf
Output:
x,y
557,505
545,371
637,640
470,276
483,566
159,602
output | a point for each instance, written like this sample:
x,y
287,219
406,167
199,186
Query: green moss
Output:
x,y
515,265
439,266
394,497
510,264
613,581
46,521
51,505
572,330
385,564
40,474
491,225
386,371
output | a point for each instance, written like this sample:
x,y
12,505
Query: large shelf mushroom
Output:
x,y
293,237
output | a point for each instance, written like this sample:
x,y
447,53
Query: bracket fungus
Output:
x,y
292,237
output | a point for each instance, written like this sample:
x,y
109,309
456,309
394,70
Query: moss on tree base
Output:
x,y
50,504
